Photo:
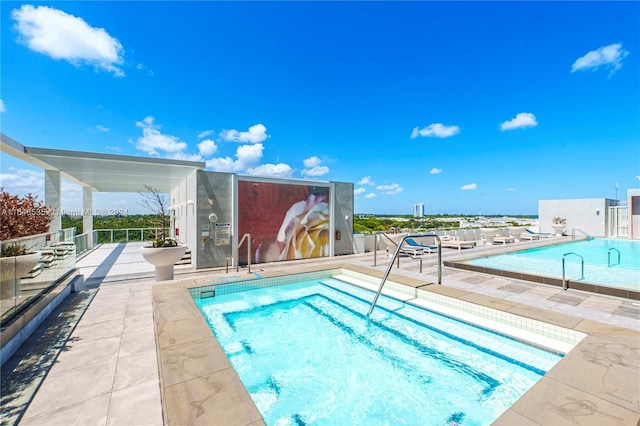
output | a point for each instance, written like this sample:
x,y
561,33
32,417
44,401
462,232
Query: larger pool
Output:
x,y
308,354
609,262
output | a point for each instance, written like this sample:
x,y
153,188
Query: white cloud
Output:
x,y
366,181
22,181
468,187
153,141
247,157
100,128
180,155
63,36
114,148
359,191
437,130
226,164
2,107
207,148
370,195
610,56
521,120
256,134
313,167
315,171
205,133
280,170
311,162
510,189
391,189
435,171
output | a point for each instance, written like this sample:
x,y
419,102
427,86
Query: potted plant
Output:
x,y
164,251
19,217
558,224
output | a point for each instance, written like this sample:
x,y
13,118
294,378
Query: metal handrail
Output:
x,y
564,281
395,255
573,233
609,256
236,252
375,251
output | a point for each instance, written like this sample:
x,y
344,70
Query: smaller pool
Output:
x,y
308,354
608,262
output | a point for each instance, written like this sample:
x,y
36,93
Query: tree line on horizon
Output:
x,y
362,224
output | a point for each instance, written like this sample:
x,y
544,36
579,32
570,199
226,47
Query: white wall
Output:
x,y
634,212
589,215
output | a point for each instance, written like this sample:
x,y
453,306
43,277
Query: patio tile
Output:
x,y
176,311
198,401
511,418
613,371
514,288
73,386
135,369
102,314
567,299
192,360
182,331
139,307
134,322
84,353
136,341
552,317
136,405
550,402
99,330
628,310
91,412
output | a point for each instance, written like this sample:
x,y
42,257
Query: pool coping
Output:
x,y
199,385
540,279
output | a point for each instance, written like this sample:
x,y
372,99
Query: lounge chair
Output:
x,y
503,239
495,235
455,242
413,248
530,235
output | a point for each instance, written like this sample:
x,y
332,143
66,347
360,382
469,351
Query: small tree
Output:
x,y
158,203
21,217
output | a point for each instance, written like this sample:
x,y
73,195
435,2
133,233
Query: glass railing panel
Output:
x,y
49,257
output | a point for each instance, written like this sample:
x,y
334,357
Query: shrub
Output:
x,y
22,216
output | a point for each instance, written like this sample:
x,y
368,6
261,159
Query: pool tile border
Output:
x,y
206,395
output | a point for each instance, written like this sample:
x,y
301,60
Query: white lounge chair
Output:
x,y
530,235
455,242
413,248
495,235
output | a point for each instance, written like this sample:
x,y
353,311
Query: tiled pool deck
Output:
x,y
142,354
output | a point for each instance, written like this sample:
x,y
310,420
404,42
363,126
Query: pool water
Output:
x,y
307,354
598,254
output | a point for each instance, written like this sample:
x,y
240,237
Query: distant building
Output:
x,y
418,210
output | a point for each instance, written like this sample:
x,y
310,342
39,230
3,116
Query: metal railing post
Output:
x,y
395,255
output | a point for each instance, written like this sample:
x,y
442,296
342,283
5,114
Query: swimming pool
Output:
x,y
307,354
608,262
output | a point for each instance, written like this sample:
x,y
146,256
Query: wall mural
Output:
x,y
286,222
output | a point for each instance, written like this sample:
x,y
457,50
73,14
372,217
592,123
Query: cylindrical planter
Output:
x,y
163,259
558,228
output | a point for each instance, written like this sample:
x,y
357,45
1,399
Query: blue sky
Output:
x,y
467,107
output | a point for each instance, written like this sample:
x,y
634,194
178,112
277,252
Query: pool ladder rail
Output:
x,y
609,257
564,280
609,264
247,238
395,255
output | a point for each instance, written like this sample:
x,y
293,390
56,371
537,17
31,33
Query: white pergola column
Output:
x,y
53,197
87,215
